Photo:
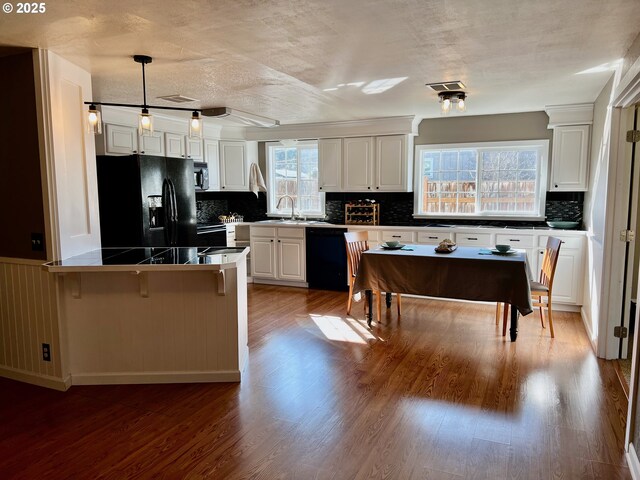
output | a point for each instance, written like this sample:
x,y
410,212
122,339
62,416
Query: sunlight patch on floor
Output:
x,y
342,329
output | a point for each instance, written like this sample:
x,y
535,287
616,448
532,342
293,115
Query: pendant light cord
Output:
x,y
144,87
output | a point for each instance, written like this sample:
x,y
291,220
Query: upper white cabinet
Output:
x,y
330,164
234,166
195,149
357,164
392,172
361,164
120,140
212,157
152,145
570,158
174,145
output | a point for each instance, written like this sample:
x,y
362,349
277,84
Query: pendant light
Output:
x,y
145,119
94,120
195,125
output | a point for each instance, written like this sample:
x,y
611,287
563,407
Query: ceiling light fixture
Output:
x,y
145,120
449,100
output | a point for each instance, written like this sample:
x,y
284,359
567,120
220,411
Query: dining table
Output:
x,y
466,273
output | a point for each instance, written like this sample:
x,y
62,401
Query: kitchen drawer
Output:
x,y
433,238
516,241
474,239
263,231
290,232
567,242
398,235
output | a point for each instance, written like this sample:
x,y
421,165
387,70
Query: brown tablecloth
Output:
x,y
465,274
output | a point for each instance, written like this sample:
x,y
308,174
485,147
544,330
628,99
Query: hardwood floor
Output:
x,y
439,394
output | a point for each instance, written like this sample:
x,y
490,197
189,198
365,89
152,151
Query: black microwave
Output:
x,y
201,175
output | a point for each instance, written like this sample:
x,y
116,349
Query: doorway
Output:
x,y
631,253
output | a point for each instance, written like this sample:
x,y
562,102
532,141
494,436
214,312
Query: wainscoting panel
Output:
x,y
28,318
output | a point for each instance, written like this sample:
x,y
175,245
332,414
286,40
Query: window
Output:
x,y
503,179
293,171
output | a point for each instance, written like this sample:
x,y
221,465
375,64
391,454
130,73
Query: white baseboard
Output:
x,y
632,461
55,383
587,327
118,378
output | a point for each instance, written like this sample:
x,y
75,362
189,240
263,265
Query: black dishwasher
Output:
x,y
326,258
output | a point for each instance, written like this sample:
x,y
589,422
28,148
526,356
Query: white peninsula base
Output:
x,y
158,324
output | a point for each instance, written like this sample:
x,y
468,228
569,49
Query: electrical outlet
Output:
x,y
37,242
46,352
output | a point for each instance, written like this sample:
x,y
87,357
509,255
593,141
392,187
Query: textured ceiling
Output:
x,y
276,58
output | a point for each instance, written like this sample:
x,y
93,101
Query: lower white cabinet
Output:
x,y
402,236
474,240
433,237
278,253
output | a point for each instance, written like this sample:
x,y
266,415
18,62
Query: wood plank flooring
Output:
x,y
439,394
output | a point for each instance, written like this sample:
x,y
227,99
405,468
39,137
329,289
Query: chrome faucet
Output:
x,y
293,217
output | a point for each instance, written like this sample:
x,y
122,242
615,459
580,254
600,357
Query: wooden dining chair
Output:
x,y
541,288
356,243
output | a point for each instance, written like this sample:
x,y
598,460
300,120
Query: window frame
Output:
x,y
542,145
271,194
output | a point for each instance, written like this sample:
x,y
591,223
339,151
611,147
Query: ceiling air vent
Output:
x,y
177,99
446,86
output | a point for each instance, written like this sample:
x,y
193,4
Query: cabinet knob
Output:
x,y
377,188
272,239
135,151
319,188
182,155
556,185
278,241
369,188
142,151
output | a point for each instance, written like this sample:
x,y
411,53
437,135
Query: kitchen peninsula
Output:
x,y
154,315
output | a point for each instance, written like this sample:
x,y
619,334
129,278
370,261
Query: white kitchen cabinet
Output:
x,y
567,281
357,164
195,150
330,164
521,242
392,172
120,140
174,145
377,164
434,237
402,236
212,157
570,160
482,240
234,166
278,253
153,144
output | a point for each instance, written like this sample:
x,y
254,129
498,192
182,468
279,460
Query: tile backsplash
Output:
x,y
395,208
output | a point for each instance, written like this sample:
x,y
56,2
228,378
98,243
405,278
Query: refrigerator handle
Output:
x,y
174,213
166,203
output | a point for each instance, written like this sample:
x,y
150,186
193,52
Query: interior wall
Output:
x,y
594,213
21,206
484,128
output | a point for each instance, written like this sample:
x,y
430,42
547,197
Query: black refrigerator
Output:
x,y
146,201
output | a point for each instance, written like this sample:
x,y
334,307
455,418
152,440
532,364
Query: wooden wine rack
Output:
x,y
362,214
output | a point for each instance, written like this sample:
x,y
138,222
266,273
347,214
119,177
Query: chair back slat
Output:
x,y
550,261
356,242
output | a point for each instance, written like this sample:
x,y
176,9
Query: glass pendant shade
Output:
x,y
195,126
462,106
145,123
446,106
94,120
